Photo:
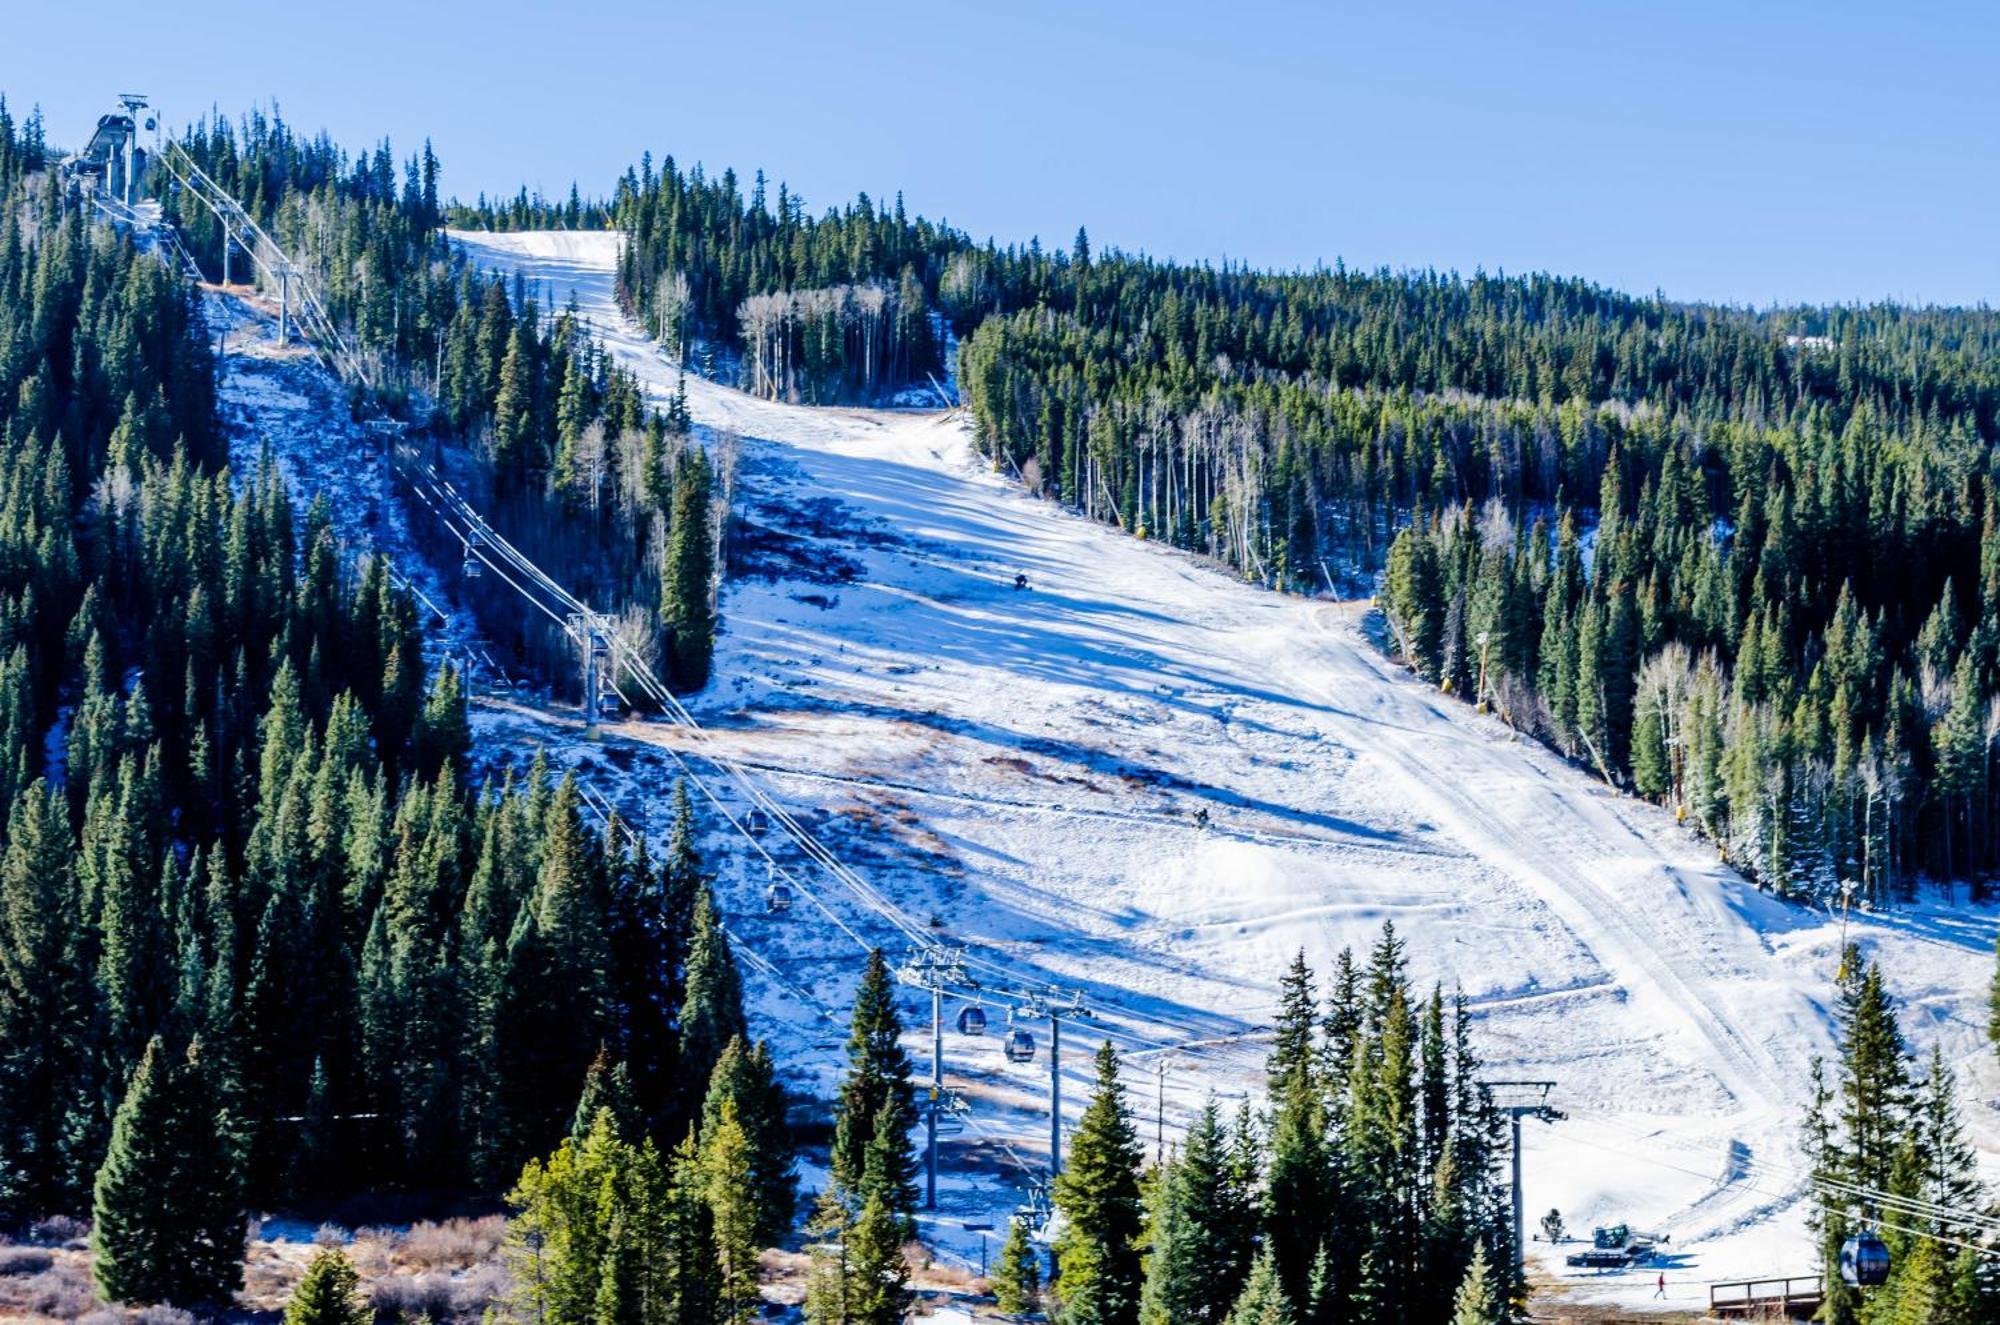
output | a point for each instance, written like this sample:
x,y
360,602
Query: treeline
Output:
x,y
260,940
1367,1191
558,446
827,309
1885,1142
525,211
1778,523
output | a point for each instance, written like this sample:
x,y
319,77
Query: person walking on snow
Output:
x,y
1661,1290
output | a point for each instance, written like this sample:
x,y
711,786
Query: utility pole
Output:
x,y
1518,1100
933,969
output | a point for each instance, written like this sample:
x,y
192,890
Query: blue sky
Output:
x,y
1747,151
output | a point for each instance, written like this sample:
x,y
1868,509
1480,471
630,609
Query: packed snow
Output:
x,y
1025,770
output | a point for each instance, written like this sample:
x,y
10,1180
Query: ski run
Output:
x,y
1026,771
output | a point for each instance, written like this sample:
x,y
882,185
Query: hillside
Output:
x,y
1027,766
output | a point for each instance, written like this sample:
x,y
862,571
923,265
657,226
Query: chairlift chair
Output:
x,y
972,1020
471,565
1864,1261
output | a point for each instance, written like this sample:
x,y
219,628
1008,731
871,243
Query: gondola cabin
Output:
x,y
972,1021
778,898
756,822
1864,1261
1020,1047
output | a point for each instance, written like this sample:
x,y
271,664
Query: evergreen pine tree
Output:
x,y
685,577
167,1223
1263,1300
745,1080
1097,1255
1017,1274
329,1294
732,1207
878,1073
712,1009
1199,1231
47,1011
878,1287
1479,1300
829,1281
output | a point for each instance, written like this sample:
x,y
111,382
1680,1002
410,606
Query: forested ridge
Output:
x,y
262,938
1740,561
519,404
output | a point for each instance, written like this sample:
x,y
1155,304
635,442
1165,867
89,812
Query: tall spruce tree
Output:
x,y
686,576
1199,1232
1098,1276
1017,1273
745,1081
167,1218
712,1009
47,1012
876,1088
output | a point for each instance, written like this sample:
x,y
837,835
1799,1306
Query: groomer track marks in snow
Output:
x,y
1070,734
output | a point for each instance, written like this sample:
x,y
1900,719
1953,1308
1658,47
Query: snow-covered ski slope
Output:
x,y
1026,767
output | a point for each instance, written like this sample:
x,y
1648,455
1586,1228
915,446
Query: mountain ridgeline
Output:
x,y
1744,563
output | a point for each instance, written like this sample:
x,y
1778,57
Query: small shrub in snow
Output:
x,y
413,1295
61,1294
478,1289
330,1235
453,1244
24,1260
163,1316
58,1231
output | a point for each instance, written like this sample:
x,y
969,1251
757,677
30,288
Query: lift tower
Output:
x,y
933,969
1051,1003
592,633
1518,1100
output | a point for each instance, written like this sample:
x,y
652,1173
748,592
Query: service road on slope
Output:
x,y
1027,766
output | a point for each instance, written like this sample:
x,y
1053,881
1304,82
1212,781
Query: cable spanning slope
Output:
x,y
998,984
271,261
1597,945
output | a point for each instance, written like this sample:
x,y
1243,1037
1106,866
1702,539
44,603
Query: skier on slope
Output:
x,y
1661,1290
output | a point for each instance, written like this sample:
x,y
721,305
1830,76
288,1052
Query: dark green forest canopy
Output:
x,y
240,832
1797,499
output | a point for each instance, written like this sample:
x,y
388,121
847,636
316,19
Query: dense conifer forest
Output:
x,y
262,939
517,401
1743,563
272,938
